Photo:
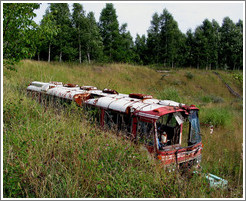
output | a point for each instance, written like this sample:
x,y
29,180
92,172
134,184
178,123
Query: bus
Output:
x,y
159,125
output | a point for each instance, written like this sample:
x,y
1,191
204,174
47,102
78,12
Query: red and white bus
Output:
x,y
158,124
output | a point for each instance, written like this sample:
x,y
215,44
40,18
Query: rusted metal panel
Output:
x,y
80,98
170,103
88,88
140,96
110,91
70,85
56,83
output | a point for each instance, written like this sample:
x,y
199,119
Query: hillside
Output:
x,y
52,152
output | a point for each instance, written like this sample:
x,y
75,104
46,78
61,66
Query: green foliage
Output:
x,y
238,77
153,40
231,44
189,75
46,32
169,93
170,39
17,30
212,99
76,36
141,49
109,30
62,16
216,116
94,44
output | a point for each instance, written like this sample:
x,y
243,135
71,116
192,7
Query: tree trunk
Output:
x,y
207,64
79,45
79,53
38,56
88,56
197,64
60,60
49,54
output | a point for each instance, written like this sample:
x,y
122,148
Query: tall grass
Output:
x,y
50,152
169,93
216,116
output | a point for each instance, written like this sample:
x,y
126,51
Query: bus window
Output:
x,y
112,119
145,132
93,113
168,126
194,134
124,123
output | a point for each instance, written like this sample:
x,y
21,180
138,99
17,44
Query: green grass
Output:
x,y
216,116
50,152
169,93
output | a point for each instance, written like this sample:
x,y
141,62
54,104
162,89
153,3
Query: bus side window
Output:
x,y
93,113
124,123
145,132
111,119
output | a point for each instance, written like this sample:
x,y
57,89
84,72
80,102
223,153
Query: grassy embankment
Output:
x,y
57,153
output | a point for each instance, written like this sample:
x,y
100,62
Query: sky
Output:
x,y
138,15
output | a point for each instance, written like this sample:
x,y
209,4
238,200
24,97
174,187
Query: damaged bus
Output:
x,y
169,130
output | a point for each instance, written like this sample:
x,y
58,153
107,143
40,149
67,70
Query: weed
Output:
x,y
238,77
216,116
169,94
189,75
212,99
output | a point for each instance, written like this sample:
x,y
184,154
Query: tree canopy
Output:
x,y
74,35
17,30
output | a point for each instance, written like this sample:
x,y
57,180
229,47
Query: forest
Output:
x,y
76,36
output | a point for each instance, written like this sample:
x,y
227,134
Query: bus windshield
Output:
x,y
194,131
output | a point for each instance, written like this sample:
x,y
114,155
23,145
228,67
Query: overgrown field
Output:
x,y
50,152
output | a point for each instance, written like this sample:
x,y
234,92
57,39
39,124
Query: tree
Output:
x,y
189,48
231,44
207,32
200,48
109,30
79,24
141,49
215,43
87,32
153,40
62,17
239,46
94,44
170,38
125,45
17,26
49,29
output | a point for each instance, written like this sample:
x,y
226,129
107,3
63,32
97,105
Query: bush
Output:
x,y
212,99
216,116
189,75
238,77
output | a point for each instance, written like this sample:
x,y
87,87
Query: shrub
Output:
x,y
238,77
189,75
206,99
212,98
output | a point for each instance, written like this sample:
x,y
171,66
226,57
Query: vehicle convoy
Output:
x,y
158,124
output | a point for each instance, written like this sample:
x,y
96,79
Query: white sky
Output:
x,y
138,15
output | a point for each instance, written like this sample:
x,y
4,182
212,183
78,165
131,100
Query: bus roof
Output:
x,y
137,104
